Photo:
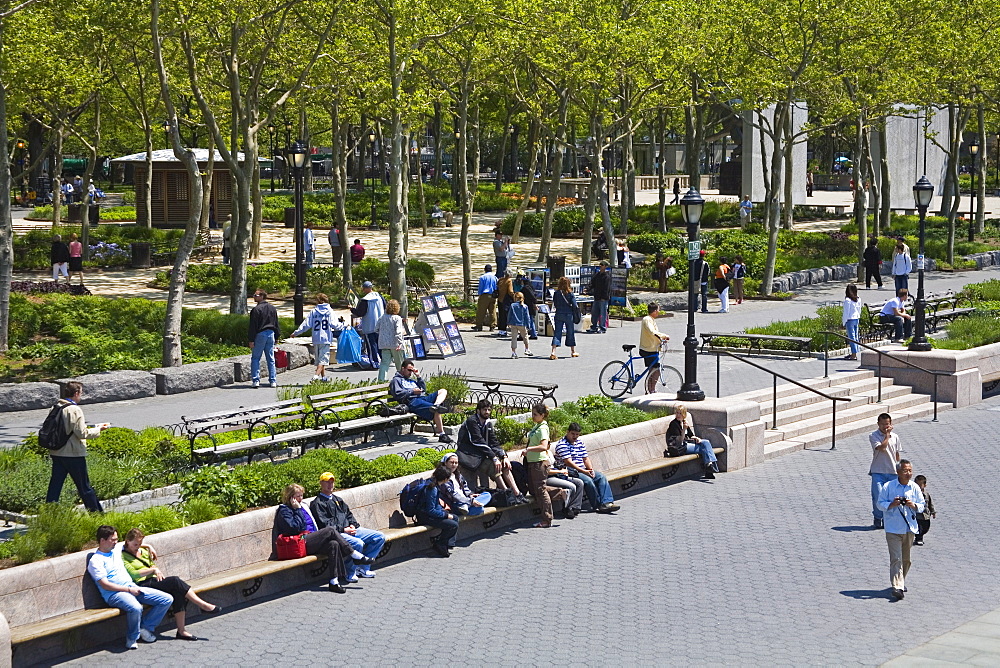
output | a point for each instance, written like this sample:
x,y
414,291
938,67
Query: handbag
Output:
x,y
290,547
655,274
676,447
468,461
577,313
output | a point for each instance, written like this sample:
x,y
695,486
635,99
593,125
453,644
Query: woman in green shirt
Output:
x,y
536,457
140,562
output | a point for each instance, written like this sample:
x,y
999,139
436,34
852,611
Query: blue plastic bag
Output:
x,y
349,347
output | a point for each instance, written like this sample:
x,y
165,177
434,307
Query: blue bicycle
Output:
x,y
619,377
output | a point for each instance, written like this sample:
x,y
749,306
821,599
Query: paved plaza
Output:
x,y
773,566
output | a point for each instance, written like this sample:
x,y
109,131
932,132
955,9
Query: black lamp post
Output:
x,y
295,158
371,141
286,175
166,131
692,205
270,131
974,152
22,162
996,177
923,193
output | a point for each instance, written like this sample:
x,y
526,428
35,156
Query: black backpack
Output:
x,y
52,435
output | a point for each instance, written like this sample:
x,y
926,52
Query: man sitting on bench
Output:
x,y
894,313
408,388
329,510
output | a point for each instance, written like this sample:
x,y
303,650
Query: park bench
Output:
x,y
495,389
204,247
946,308
803,343
53,608
871,328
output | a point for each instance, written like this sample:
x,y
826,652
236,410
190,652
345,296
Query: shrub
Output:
x,y
456,385
970,332
198,510
510,432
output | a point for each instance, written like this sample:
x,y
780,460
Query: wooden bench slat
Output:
x,y
60,623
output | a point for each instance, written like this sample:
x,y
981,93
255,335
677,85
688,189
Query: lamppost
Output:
x,y
371,140
923,193
692,205
295,158
973,151
23,162
454,167
270,131
996,178
166,131
286,177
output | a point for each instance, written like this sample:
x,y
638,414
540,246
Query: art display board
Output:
x,y
436,327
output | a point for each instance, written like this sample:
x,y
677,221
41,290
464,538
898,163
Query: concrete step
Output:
x,y
822,438
824,407
856,411
805,398
787,389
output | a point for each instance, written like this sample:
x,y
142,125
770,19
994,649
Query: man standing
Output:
x,y
72,457
500,252
873,262
329,510
264,331
900,500
309,245
407,387
486,302
885,455
572,455
701,274
600,288
370,308
746,208
650,339
336,249
894,313
119,591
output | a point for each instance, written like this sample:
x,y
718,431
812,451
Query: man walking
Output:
x,y
309,245
71,459
370,308
900,500
324,330
885,455
746,209
500,252
264,331
600,288
329,510
486,302
336,249
701,273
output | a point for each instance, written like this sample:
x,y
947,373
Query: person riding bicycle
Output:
x,y
650,339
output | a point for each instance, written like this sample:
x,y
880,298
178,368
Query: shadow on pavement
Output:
x,y
852,529
868,594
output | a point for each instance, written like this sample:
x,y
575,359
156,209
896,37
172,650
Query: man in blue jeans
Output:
x,y
329,510
264,331
572,454
409,389
119,591
885,455
600,288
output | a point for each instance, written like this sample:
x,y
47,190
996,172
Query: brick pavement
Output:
x,y
773,565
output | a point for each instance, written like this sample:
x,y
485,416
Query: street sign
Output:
x,y
694,250
920,261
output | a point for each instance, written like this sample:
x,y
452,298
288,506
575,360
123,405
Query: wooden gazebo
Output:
x,y
170,196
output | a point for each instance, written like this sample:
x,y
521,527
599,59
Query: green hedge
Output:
x,y
31,250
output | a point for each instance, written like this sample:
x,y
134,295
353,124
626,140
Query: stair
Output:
x,y
804,419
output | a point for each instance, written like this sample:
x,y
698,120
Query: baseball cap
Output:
x,y
366,284
703,252
603,263
326,476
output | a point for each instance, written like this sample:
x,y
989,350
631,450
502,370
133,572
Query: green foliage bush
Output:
x,y
31,250
455,384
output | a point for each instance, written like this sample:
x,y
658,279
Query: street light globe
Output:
x,y
21,144
692,204
288,125
458,134
166,126
371,136
297,155
973,147
271,128
923,192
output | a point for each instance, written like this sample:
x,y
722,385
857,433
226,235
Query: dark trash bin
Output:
x,y
290,217
557,267
75,213
142,255
94,214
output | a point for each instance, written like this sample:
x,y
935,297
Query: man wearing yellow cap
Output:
x,y
329,510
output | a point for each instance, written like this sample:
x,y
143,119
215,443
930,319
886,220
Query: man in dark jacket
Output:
x,y
701,275
600,288
873,261
264,331
59,256
480,456
329,510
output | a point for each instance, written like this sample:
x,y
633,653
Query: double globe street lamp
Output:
x,y
692,205
295,157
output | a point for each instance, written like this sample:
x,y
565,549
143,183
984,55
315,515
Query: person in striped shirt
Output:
x,y
571,454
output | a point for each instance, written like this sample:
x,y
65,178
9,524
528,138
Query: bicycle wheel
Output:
x,y
615,379
670,379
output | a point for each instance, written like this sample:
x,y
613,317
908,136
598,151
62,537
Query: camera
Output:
x,y
902,500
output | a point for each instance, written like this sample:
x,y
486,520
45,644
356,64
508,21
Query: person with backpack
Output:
x,y
65,433
457,494
320,321
432,513
482,458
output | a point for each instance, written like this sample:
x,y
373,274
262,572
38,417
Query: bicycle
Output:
x,y
617,378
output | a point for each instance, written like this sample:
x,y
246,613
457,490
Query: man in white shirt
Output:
x,y
900,500
119,591
894,313
885,455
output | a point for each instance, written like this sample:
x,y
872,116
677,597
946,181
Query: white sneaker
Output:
x,y
352,578
147,635
255,384
513,356
274,384
365,574
528,353
132,646
316,378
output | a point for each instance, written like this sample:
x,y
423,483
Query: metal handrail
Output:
x,y
881,354
774,392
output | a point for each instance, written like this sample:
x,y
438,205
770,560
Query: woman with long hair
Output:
x,y
564,302
681,436
852,318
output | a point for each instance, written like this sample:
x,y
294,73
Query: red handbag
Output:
x,y
281,359
290,547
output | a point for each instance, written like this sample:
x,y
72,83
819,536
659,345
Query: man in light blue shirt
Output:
x,y
486,305
900,501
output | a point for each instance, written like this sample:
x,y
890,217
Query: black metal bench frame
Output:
x,y
804,344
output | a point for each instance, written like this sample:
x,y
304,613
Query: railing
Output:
x,y
881,354
774,392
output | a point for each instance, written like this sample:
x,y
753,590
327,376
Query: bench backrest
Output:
x,y
60,585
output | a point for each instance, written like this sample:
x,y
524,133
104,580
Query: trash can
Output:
x,y
75,213
142,255
290,217
94,214
557,268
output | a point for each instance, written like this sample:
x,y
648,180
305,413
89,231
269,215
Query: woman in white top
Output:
x,y
852,318
390,339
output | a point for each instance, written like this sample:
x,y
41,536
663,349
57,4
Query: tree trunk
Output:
x,y
240,236
885,192
437,144
502,149
589,207
398,209
787,196
204,225
661,174
980,172
533,129
772,206
597,132
147,196
557,159
860,206
57,170
694,121
6,225
341,136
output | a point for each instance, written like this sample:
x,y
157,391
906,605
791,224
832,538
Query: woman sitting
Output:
x,y
456,493
293,519
681,438
140,562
